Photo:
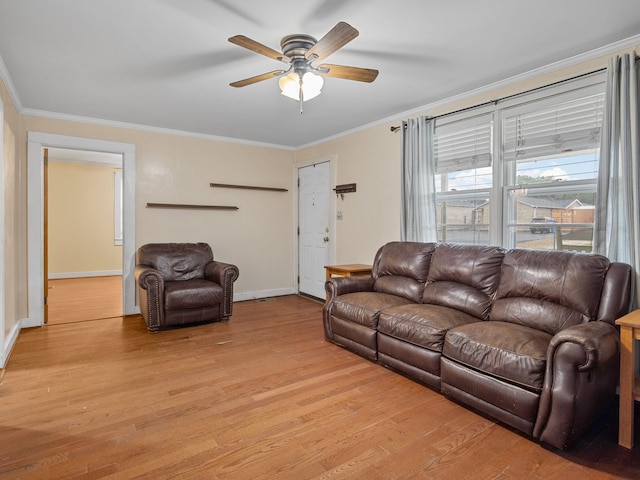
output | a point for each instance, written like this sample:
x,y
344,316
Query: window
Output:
x,y
464,179
522,173
550,151
117,207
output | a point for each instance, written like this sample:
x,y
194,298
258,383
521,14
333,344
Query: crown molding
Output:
x,y
147,128
631,44
8,83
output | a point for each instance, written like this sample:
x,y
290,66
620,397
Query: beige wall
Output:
x,y
81,219
178,169
14,228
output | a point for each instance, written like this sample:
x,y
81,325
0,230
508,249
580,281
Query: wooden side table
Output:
x,y
629,381
348,270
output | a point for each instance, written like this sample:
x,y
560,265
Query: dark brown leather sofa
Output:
x,y
181,283
526,337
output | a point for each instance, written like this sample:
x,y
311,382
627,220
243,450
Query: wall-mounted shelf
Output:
x,y
197,207
248,187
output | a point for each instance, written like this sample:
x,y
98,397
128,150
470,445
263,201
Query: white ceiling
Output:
x,y
168,64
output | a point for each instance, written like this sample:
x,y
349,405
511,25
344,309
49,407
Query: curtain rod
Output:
x,y
508,97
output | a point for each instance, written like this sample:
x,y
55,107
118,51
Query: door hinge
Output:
x,y
298,231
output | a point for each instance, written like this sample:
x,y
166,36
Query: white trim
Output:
x,y
36,142
630,42
278,292
603,51
8,83
99,273
10,341
148,128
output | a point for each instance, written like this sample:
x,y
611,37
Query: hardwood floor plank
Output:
x,y
263,396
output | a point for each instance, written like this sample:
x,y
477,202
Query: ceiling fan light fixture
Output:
x,y
311,86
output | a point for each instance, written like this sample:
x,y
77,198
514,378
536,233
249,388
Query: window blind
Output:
x,y
566,127
463,149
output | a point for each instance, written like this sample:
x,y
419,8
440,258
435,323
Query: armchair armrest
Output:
x,y
148,277
151,295
223,274
580,379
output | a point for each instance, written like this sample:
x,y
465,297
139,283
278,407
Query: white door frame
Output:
x,y
3,345
37,141
333,170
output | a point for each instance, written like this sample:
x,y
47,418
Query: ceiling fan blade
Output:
x,y
257,78
254,46
336,38
349,73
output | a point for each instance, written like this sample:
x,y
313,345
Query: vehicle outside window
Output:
x,y
543,228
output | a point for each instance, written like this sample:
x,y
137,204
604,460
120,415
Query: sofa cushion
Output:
x,y
464,277
195,293
401,268
364,307
422,325
549,290
508,351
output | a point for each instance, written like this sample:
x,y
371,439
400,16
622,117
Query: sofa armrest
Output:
x,y
151,295
580,380
336,286
223,274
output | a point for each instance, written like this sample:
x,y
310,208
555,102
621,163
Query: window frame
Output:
x,y
503,174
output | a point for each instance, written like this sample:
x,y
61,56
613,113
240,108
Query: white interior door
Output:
x,y
314,235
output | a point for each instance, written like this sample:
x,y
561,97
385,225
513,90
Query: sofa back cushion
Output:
x,y
464,277
176,261
549,290
401,268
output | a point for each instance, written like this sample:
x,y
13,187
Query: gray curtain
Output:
x,y
418,184
617,222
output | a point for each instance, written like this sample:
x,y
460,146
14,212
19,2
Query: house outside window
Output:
x,y
524,173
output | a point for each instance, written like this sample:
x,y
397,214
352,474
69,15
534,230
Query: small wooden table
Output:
x,y
348,270
629,381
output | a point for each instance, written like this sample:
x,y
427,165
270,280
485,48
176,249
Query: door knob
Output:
x,y
326,239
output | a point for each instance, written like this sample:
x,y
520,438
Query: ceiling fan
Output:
x,y
302,80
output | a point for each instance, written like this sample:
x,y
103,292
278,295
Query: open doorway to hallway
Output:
x,y
83,235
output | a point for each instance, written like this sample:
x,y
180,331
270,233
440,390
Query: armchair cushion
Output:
x,y
176,261
194,293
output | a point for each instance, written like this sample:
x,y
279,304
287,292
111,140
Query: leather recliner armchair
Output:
x,y
181,284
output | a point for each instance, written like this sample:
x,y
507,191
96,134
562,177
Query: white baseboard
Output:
x,y
10,341
101,273
241,297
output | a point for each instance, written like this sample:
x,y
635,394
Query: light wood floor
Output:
x,y
261,397
79,299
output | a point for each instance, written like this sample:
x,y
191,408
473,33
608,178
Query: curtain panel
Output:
x,y
617,222
418,221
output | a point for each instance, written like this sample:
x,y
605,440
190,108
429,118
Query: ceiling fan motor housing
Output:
x,y
295,47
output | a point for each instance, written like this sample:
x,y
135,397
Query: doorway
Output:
x,y
82,235
314,230
37,141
